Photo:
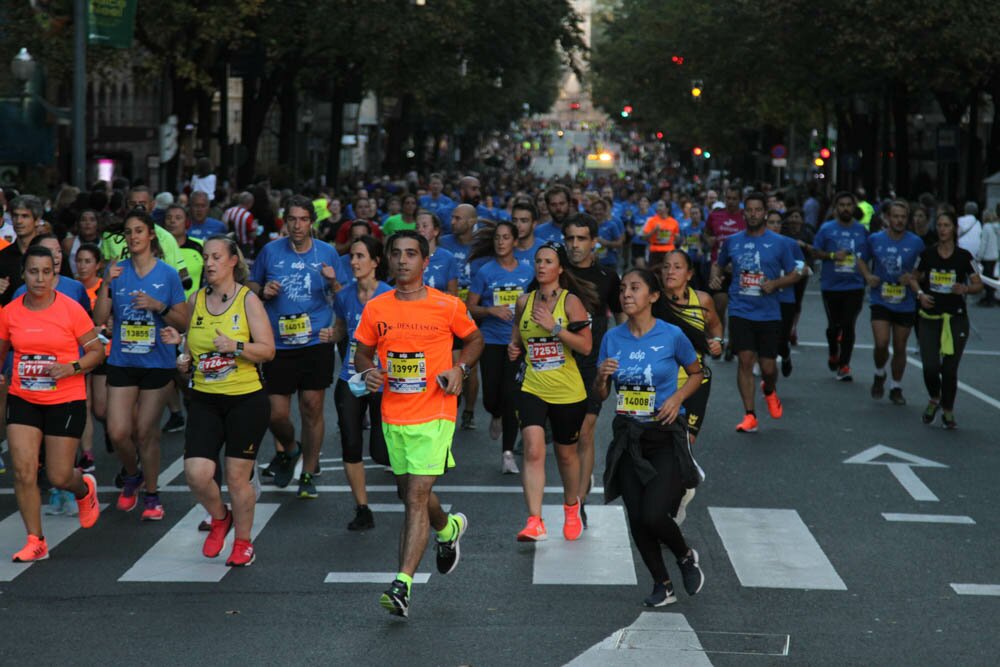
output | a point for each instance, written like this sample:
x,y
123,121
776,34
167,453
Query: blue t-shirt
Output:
x,y
638,221
305,303
549,231
211,227
787,294
755,259
344,269
136,341
841,275
74,289
647,367
495,286
348,308
442,207
889,260
612,230
527,256
441,268
461,254
489,213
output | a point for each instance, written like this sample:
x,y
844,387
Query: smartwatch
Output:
x,y
466,371
556,329
239,349
76,368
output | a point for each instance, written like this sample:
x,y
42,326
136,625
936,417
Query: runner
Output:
x,y
839,243
552,320
442,269
368,267
296,279
89,269
229,335
411,329
639,244
405,219
894,253
721,224
202,226
942,277
47,401
786,296
611,234
661,232
557,202
649,461
580,233
87,231
795,229
761,265
493,296
525,218
143,294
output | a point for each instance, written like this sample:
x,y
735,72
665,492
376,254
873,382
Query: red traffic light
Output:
x,y
575,106
659,135
677,60
627,108
824,153
697,151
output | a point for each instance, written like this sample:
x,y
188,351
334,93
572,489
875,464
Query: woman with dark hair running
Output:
x,y
367,265
552,324
649,461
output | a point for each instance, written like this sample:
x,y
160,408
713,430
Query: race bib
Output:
x,y
693,241
407,372
750,282
636,401
845,265
33,371
893,293
546,353
942,281
506,296
463,293
294,329
216,366
664,237
138,336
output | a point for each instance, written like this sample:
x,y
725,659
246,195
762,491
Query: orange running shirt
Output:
x,y
413,340
39,339
664,233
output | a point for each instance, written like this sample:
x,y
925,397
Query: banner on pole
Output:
x,y
111,22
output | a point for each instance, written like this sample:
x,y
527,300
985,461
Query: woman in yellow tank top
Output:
x,y
551,324
228,335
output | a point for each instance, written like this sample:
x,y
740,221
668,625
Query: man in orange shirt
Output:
x,y
661,231
411,328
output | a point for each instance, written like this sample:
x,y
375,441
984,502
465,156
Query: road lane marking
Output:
x,y
655,638
601,557
773,548
928,518
977,589
398,507
911,350
171,472
901,469
13,537
343,488
176,557
370,577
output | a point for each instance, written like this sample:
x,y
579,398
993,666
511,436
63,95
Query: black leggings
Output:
x,y
800,293
787,320
941,371
350,420
842,310
500,390
651,508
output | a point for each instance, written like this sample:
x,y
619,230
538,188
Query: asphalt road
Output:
x,y
801,565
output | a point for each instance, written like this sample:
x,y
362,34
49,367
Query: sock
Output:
x,y
447,534
764,390
893,384
753,413
880,371
406,579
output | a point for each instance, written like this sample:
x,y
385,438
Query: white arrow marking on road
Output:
x,y
654,638
977,589
902,470
602,555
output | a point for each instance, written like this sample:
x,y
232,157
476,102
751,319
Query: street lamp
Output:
x,y
22,66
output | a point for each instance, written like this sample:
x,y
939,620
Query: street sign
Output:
x,y
778,152
779,162
901,465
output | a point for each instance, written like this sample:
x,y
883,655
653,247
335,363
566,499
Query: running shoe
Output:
x,y
773,403
88,506
896,396
833,362
86,462
55,505
216,538
682,508
786,366
35,549
948,420
242,554
268,470
844,374
694,578
496,428
468,421
363,519
152,509
70,508
129,497
748,425
508,466
930,412
662,595
572,525
396,600
878,386
175,424
533,531
307,489
448,553
206,524
284,468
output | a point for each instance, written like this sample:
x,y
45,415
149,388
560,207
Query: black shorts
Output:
x,y
754,336
892,317
565,418
638,251
64,420
697,404
238,422
100,370
589,374
143,378
302,369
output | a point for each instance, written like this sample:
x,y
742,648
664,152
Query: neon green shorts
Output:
x,y
420,449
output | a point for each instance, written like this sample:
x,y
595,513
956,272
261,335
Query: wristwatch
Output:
x,y
556,329
76,368
239,349
466,371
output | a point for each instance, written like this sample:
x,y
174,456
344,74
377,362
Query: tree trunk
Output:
x,y
337,100
203,139
288,102
258,93
972,148
901,141
182,106
397,132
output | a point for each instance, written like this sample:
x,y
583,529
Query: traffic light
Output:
x,y
574,106
819,162
659,135
677,60
626,111
824,153
706,154
696,88
697,151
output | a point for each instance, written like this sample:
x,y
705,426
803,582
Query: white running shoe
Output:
x,y
508,466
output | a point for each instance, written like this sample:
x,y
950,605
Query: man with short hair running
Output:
x,y
411,329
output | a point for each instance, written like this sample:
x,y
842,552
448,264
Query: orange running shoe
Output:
x,y
35,549
572,525
748,425
216,538
773,403
242,554
534,530
90,510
